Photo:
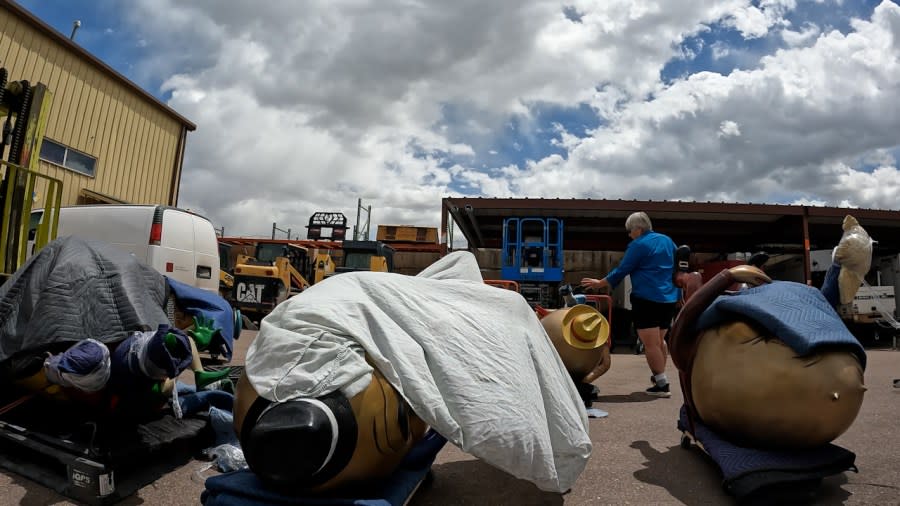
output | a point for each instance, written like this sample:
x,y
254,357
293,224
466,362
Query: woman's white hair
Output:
x,y
638,220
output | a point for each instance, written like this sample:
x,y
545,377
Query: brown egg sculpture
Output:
x,y
323,443
578,333
750,387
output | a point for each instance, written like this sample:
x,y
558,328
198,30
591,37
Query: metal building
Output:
x,y
106,139
596,225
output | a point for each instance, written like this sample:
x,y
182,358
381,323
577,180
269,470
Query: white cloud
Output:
x,y
729,128
880,187
755,21
881,157
720,50
808,32
304,108
691,52
808,202
801,114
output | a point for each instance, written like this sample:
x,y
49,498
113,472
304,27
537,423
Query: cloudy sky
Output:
x,y
309,106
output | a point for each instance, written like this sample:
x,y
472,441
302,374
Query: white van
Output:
x,y
180,244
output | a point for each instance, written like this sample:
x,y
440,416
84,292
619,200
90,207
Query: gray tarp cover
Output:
x,y
74,289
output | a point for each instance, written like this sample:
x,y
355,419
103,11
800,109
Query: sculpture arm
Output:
x,y
601,367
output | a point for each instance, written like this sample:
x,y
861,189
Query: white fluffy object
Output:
x,y
854,254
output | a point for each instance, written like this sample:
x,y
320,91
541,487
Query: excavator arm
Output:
x,y
298,282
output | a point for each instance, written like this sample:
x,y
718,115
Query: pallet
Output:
x,y
82,463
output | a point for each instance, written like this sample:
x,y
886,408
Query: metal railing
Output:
x,y
889,323
503,283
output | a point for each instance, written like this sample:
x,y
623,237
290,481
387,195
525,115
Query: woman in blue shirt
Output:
x,y
650,260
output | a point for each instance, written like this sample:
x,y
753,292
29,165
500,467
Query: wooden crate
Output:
x,y
406,233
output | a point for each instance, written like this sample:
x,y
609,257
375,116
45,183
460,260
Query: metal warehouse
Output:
x,y
106,139
591,236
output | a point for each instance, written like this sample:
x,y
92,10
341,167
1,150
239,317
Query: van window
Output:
x,y
177,230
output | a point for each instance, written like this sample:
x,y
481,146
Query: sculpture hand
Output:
x,y
203,331
749,274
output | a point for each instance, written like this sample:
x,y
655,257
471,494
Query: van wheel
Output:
x,y
248,323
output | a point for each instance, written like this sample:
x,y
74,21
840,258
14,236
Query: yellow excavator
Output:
x,y
374,256
278,270
226,278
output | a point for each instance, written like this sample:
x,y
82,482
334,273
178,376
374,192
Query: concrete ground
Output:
x,y
636,459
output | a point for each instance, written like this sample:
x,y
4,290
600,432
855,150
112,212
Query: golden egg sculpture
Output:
x,y
749,386
328,442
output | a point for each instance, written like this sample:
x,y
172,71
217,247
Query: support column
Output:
x,y
806,262
444,213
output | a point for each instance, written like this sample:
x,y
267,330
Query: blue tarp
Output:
x,y
797,314
748,470
195,301
243,488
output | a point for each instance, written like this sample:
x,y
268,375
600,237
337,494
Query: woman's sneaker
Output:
x,y
658,391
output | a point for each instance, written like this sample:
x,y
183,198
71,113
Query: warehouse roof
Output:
x,y
712,227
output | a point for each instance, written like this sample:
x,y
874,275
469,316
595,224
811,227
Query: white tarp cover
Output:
x,y
472,360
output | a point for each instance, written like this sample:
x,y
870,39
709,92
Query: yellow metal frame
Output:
x,y
20,177
21,181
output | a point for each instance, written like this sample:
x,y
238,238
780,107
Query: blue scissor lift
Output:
x,y
532,256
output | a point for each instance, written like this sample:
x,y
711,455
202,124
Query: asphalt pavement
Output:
x,y
637,458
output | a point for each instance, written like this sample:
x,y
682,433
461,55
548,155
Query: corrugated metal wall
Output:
x,y
133,140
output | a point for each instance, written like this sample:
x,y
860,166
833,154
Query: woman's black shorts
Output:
x,y
647,314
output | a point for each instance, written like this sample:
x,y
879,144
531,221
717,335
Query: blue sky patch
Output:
x,y
722,49
518,139
572,14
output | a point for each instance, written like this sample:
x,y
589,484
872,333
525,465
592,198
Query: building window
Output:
x,y
64,156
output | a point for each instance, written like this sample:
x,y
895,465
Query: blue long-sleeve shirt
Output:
x,y
650,260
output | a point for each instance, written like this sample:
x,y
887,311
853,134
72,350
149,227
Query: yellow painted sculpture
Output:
x,y
749,386
754,386
323,443
580,335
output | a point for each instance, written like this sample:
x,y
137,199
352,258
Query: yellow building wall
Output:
x,y
133,140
